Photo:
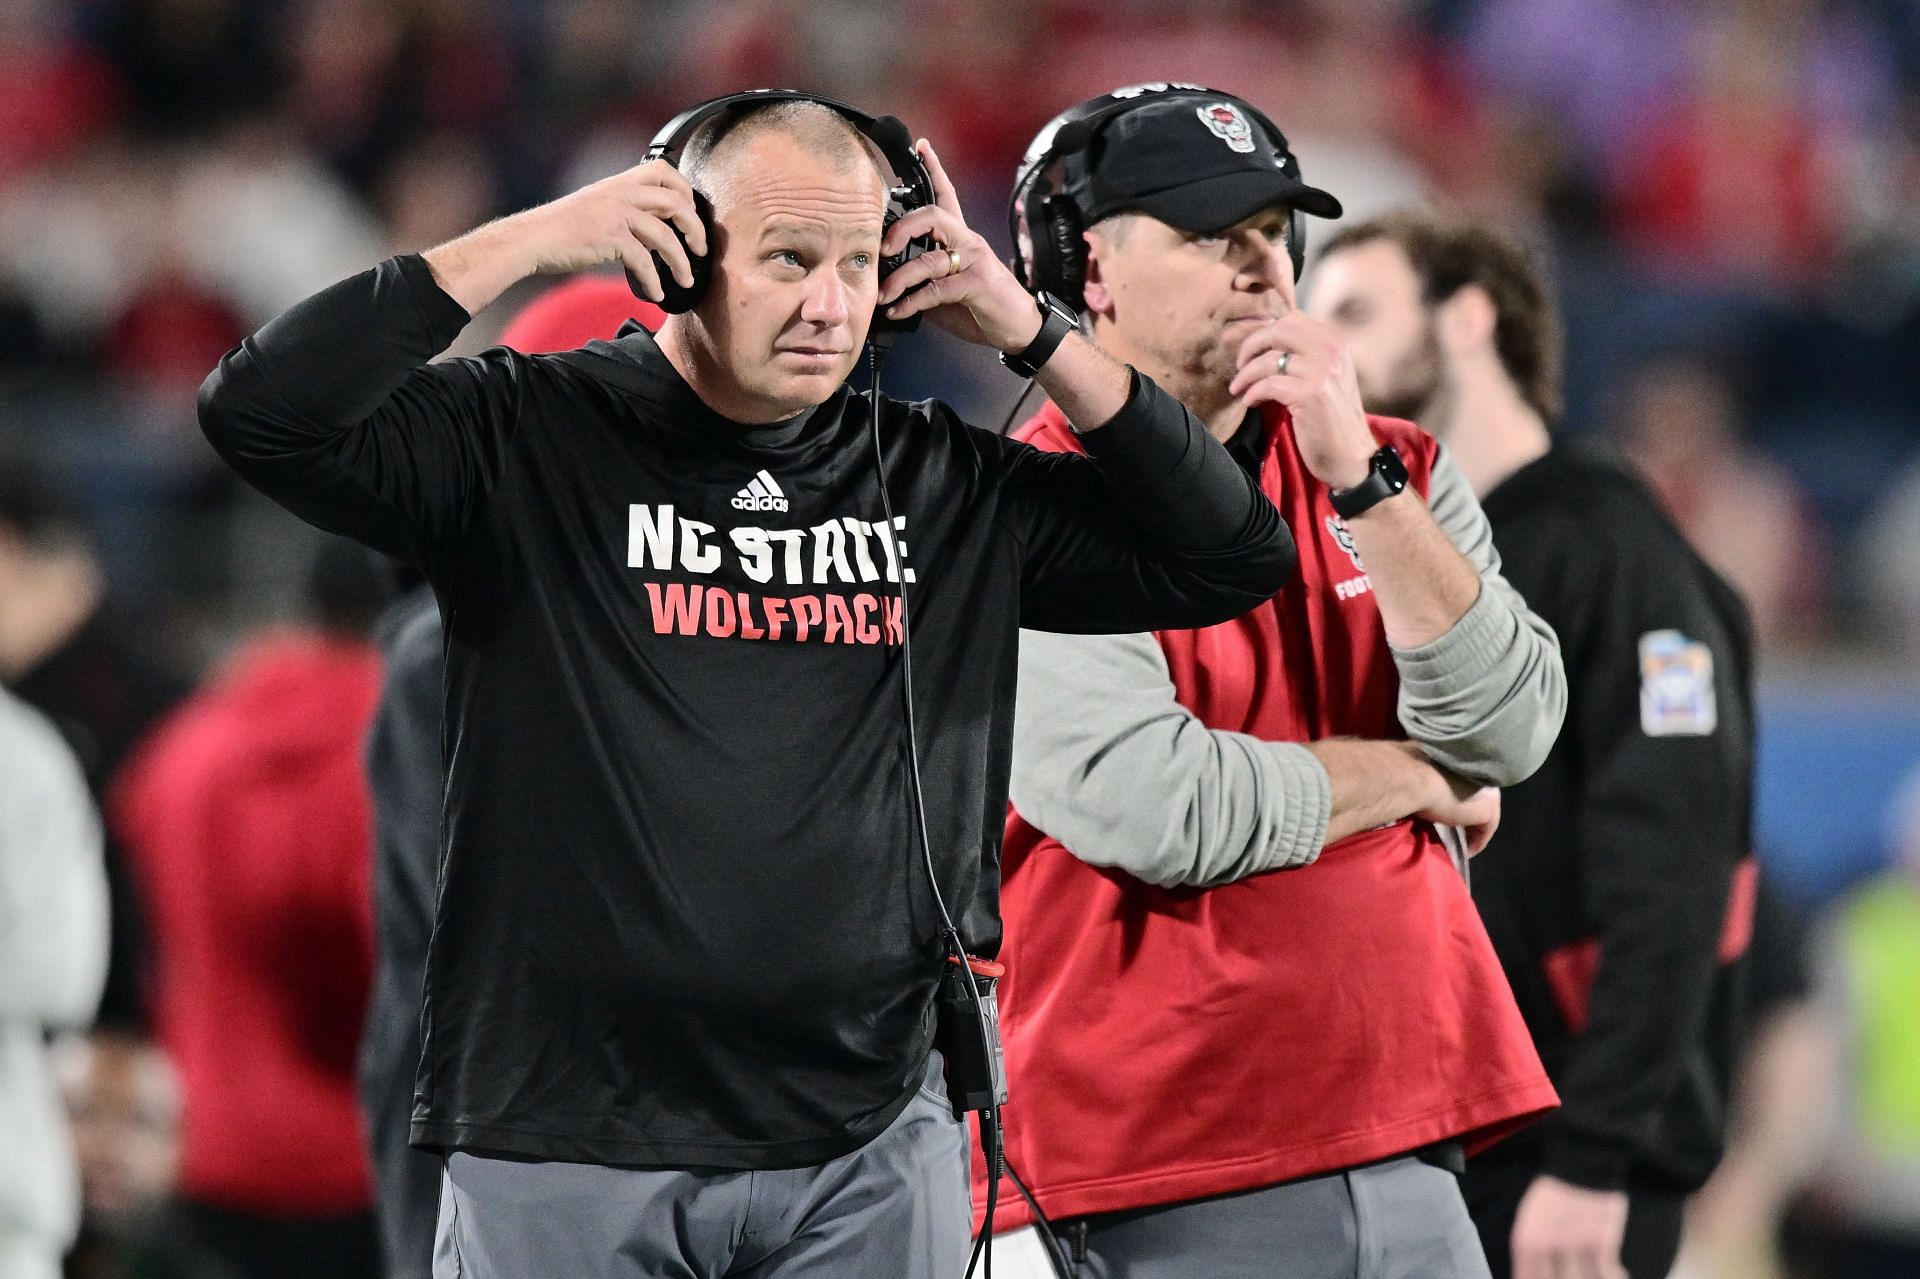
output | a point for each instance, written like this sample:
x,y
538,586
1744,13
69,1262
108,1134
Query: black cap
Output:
x,y
1198,163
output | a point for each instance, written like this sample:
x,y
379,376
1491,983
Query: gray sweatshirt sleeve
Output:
x,y
53,885
1486,699
1108,762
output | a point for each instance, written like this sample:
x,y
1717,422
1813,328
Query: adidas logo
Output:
x,y
760,494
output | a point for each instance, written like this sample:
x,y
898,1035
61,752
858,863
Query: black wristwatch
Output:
x,y
1057,320
1386,475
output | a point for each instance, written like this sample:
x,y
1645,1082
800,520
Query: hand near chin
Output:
x,y
959,284
1301,363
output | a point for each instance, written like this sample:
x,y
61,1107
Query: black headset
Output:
x,y
1046,224
912,188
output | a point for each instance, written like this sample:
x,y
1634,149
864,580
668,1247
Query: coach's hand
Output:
x,y
1563,1231
624,218
1302,363
1474,808
966,290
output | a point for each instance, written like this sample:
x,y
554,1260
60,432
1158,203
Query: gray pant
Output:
x,y
897,1208
1403,1219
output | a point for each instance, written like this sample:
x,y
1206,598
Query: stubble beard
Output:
x,y
1417,388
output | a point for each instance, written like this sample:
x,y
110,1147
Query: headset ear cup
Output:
x,y
1042,271
1066,246
679,299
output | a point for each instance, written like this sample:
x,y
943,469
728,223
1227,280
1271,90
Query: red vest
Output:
x,y
1166,1044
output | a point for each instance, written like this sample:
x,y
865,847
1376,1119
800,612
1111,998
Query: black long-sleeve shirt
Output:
x,y
682,916
1609,886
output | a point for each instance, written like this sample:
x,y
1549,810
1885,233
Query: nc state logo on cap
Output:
x,y
1227,124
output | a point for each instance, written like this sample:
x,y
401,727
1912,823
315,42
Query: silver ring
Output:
x,y
953,262
1280,365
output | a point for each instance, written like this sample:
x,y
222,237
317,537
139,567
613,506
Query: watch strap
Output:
x,y
1055,323
1386,476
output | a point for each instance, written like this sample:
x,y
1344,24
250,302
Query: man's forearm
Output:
x,y
1090,386
1375,782
1422,584
478,267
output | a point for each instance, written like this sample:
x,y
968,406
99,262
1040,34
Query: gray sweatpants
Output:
x,y
1403,1219
897,1208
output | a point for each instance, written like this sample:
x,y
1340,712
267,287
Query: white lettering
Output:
x,y
791,537
830,553
695,554
756,556
858,532
649,536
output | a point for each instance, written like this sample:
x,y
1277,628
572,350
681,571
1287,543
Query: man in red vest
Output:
x,y
1217,1070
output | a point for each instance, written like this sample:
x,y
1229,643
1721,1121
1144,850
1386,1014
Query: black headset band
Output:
x,y
889,135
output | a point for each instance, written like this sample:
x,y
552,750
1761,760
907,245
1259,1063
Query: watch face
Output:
x,y
1058,307
1387,462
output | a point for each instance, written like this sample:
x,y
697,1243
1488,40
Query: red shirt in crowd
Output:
x,y
248,821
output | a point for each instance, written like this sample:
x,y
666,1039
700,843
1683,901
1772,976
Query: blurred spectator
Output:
x,y
167,336
1741,511
434,189
53,958
1734,1223
1735,175
1861,1219
54,90
1889,560
248,820
66,651
407,773
123,1103
190,65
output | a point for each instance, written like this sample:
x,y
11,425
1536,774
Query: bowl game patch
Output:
x,y
1676,686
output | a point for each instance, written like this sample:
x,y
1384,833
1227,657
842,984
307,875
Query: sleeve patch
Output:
x,y
1676,686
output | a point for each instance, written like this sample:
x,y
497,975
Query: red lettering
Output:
x,y
806,614
679,612
747,628
890,618
864,631
719,614
839,621
776,616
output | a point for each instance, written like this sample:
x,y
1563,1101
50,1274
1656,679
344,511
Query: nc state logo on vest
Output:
x,y
1353,587
1227,124
1338,527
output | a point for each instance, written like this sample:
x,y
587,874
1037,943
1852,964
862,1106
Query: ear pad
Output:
x,y
888,265
1065,235
680,298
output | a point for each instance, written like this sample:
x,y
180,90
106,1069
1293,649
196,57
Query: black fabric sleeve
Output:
x,y
1661,825
333,411
1156,528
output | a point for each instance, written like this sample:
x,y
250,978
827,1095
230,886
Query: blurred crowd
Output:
x,y
1728,192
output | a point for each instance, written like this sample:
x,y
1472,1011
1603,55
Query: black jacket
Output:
x,y
408,779
1619,884
681,917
